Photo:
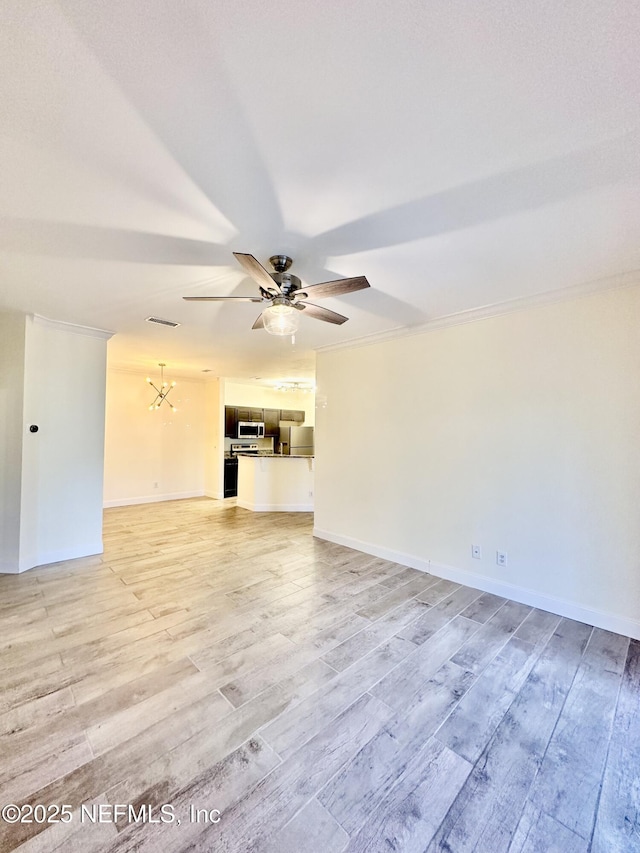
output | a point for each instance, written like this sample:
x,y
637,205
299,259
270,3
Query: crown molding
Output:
x,y
496,309
61,326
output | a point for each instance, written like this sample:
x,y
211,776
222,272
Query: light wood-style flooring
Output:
x,y
322,700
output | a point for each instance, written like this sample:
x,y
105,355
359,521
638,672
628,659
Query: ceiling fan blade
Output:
x,y
335,288
319,313
259,323
223,298
257,272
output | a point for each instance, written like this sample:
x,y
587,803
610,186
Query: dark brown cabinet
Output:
x,y
270,417
294,415
272,423
250,415
233,414
230,422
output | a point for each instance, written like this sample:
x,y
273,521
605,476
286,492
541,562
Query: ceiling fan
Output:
x,y
283,296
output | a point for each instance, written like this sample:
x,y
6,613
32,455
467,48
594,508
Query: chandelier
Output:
x,y
305,387
162,392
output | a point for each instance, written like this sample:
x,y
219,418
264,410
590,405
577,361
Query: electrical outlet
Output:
x,y
501,558
155,485
476,552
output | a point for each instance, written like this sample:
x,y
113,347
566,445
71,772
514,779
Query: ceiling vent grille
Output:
x,y
161,322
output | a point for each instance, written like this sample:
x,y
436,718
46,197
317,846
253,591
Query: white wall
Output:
x,y
519,433
12,341
153,455
240,394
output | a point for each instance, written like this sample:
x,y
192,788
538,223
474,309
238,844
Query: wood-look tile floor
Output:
x,y
320,699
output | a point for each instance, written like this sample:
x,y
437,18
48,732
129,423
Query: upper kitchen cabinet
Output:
x,y
230,422
250,415
272,423
270,417
293,415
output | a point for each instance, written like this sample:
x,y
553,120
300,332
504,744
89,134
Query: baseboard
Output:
x,y
152,499
62,555
275,507
571,610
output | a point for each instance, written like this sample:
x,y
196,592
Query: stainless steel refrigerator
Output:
x,y
296,441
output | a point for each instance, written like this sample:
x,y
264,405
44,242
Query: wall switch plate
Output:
x,y
501,558
476,552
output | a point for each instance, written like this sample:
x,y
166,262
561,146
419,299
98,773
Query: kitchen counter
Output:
x,y
265,485
275,456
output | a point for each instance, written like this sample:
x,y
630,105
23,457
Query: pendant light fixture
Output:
x,y
304,387
162,392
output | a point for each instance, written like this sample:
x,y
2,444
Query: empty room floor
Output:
x,y
219,680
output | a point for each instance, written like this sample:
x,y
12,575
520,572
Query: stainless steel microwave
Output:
x,y
248,429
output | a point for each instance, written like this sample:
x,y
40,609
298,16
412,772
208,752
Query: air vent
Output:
x,y
162,322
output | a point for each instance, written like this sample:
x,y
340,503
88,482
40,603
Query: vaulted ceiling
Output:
x,y
458,154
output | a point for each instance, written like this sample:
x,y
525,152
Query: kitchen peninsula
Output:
x,y
275,483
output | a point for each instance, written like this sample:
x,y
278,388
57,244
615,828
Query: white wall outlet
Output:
x,y
501,558
155,485
476,552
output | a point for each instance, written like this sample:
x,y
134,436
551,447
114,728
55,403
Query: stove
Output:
x,y
244,448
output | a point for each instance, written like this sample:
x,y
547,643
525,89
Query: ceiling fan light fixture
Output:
x,y
281,318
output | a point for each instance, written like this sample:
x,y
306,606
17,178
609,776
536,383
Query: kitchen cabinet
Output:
x,y
231,477
271,423
294,415
250,415
230,422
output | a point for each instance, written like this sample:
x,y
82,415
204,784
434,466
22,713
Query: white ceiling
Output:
x,y
458,154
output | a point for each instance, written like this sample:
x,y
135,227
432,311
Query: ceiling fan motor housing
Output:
x,y
287,281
